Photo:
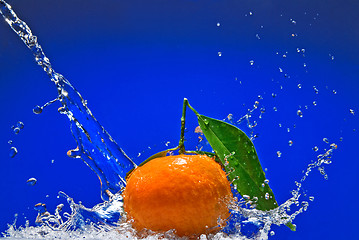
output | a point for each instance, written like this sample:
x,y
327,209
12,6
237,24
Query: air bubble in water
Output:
x,y
266,196
325,140
299,113
279,154
315,148
37,109
13,152
16,130
290,142
351,111
31,181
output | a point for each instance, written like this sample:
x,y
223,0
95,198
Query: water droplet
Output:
x,y
290,142
315,90
333,146
52,161
16,130
74,153
331,56
37,109
218,24
266,181
284,55
351,111
279,154
315,148
260,97
275,109
250,13
31,181
251,62
257,36
325,140
219,54
304,65
272,233
314,103
311,198
288,129
280,125
13,152
274,95
334,92
299,113
299,85
246,197
20,125
40,207
9,142
263,185
266,196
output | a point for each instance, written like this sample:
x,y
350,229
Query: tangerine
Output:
x,y
187,193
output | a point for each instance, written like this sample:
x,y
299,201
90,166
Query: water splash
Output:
x,y
96,147
102,154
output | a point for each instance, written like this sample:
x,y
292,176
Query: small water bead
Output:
x,y
258,37
218,24
219,54
351,111
311,198
9,142
315,148
315,90
333,146
13,152
251,62
16,130
37,109
52,161
246,197
279,154
325,140
272,233
20,125
266,196
334,92
299,85
250,13
314,103
280,70
274,94
31,181
288,129
266,181
275,109
304,65
299,113
290,142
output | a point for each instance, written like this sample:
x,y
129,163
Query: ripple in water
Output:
x,y
101,153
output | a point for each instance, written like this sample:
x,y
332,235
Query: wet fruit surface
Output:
x,y
188,193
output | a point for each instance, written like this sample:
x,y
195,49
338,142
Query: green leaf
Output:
x,y
238,155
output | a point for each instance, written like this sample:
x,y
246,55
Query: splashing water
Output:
x,y
102,154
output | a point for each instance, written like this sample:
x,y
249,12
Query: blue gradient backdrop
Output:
x,y
135,61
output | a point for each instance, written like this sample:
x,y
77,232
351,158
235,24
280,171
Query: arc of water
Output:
x,y
95,146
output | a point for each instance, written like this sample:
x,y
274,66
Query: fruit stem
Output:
x,y
183,127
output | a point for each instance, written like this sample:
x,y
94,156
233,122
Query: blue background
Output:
x,y
135,61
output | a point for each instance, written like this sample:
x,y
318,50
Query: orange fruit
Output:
x,y
187,193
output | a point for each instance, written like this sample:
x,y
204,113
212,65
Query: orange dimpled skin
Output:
x,y
188,193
